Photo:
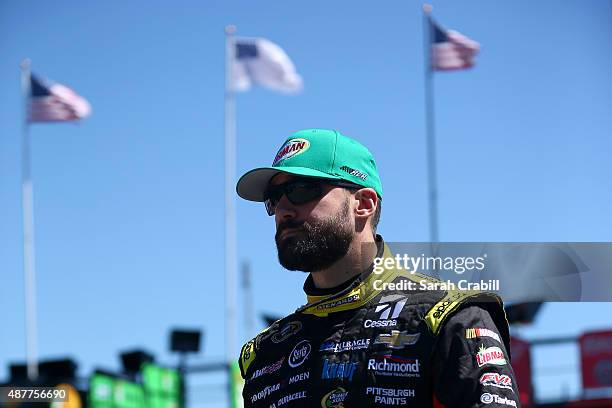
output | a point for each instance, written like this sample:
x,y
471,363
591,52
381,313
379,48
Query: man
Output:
x,y
352,344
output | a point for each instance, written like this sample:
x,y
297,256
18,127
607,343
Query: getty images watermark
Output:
x,y
516,271
421,265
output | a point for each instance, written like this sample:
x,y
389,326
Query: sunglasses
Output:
x,y
300,191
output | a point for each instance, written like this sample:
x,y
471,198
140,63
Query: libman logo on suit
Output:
x,y
490,356
291,148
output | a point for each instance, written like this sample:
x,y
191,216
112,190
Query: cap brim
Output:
x,y
252,185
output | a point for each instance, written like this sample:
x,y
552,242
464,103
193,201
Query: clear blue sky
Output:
x,y
129,204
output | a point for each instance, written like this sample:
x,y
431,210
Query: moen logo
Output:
x,y
389,308
397,339
287,331
291,148
490,355
334,399
300,353
496,380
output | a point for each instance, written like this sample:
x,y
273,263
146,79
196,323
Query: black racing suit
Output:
x,y
367,347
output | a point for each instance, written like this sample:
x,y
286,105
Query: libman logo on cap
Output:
x,y
291,148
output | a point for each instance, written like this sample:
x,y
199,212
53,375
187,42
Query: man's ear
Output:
x,y
367,200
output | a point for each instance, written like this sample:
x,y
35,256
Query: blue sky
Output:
x,y
129,203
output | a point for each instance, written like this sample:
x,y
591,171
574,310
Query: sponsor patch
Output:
x,y
480,332
334,399
490,355
265,392
288,398
339,302
397,339
291,148
288,330
496,380
487,398
269,369
338,370
300,353
389,308
299,377
349,345
394,366
354,172
390,396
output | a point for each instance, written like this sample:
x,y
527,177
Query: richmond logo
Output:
x,y
291,148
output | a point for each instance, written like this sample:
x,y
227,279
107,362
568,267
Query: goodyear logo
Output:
x,y
291,148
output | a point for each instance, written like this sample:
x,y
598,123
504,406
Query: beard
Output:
x,y
316,245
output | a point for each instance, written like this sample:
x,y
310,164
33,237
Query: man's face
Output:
x,y
314,235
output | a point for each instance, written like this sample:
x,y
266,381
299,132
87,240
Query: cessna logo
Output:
x,y
397,339
291,148
385,303
389,308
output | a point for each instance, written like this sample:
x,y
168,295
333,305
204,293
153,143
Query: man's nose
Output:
x,y
285,209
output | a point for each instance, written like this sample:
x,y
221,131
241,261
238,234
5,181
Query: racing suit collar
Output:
x,y
359,291
317,293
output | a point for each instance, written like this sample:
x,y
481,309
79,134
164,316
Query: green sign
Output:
x,y
162,386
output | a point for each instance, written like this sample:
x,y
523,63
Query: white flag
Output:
x,y
259,61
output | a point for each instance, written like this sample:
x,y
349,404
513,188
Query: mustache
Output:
x,y
288,224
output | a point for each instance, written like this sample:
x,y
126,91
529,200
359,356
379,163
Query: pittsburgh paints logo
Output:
x,y
290,149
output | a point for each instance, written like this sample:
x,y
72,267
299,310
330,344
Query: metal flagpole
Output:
x,y
431,134
230,201
28,231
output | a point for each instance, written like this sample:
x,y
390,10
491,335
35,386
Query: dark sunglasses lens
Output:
x,y
301,193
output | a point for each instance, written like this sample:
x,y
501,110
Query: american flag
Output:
x,y
451,50
53,102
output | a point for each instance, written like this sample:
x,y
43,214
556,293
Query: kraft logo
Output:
x,y
385,306
290,149
300,353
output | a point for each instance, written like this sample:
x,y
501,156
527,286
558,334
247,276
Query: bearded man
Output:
x,y
351,344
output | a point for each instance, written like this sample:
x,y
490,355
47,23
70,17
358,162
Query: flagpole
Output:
x,y
28,231
230,199
430,127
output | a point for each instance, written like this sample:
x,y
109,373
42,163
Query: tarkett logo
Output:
x,y
291,148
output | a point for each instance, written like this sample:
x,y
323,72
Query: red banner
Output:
x,y
596,359
521,363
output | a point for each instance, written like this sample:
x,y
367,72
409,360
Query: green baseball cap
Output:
x,y
319,153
